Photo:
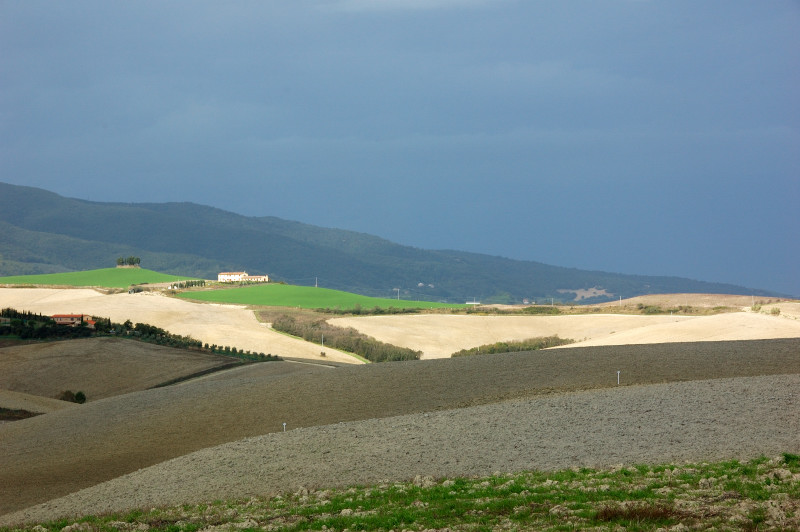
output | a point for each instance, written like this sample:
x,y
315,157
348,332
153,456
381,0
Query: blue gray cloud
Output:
x,y
647,137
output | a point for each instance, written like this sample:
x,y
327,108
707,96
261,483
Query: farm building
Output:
x,y
230,277
73,320
235,277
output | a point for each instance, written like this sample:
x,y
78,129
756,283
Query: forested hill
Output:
x,y
42,232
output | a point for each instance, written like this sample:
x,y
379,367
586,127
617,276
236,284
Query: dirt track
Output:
x,y
58,453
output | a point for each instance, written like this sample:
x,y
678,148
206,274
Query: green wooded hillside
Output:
x,y
42,232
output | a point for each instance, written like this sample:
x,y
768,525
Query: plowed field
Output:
x,y
540,409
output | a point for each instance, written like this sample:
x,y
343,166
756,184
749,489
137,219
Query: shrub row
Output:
x,y
358,310
29,325
532,344
313,329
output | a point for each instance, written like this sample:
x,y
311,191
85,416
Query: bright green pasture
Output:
x,y
281,295
105,277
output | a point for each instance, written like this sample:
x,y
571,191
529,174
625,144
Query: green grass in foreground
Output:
x,y
762,494
308,297
105,277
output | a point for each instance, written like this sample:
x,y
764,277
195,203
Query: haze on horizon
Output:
x,y
647,137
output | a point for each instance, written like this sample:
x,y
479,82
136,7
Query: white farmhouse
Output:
x,y
230,277
236,277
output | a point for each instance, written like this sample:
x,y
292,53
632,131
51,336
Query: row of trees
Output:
x,y
531,344
27,325
128,261
189,284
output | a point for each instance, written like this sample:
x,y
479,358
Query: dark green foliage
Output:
x,y
792,460
532,344
358,310
542,310
129,261
27,325
313,329
189,284
77,397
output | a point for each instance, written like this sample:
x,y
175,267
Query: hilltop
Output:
x,y
42,232
103,277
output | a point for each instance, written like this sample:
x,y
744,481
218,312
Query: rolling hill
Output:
x,y
42,232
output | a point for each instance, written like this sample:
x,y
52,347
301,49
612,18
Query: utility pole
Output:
x,y
398,293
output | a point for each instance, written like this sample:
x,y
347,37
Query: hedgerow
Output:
x,y
531,344
313,329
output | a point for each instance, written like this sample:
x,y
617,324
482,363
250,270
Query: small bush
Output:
x,y
68,395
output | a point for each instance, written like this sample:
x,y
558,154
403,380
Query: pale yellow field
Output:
x,y
231,325
436,335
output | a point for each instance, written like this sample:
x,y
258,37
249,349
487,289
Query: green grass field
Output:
x,y
105,277
309,297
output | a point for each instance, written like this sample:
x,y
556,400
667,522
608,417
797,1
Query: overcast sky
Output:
x,y
634,136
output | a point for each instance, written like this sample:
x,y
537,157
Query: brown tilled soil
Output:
x,y
532,417
99,367
694,421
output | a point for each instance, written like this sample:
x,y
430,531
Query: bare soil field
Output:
x,y
222,436
545,409
32,403
664,423
99,367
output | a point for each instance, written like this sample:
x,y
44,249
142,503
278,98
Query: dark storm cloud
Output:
x,y
644,137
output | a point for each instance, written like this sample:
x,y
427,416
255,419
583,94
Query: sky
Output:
x,y
651,137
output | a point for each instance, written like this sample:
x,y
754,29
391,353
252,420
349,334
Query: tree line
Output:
x,y
313,330
128,261
28,325
531,344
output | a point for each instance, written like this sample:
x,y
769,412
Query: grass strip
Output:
x,y
731,495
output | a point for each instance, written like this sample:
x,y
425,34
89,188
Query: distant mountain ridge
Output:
x,y
43,232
